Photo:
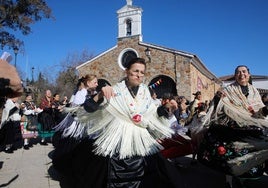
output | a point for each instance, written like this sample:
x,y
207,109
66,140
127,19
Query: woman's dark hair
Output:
x,y
55,94
80,81
236,69
28,94
135,60
167,96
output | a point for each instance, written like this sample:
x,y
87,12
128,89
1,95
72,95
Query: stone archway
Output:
x,y
163,84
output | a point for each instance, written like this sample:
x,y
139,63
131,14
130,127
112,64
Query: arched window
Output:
x,y
127,56
129,29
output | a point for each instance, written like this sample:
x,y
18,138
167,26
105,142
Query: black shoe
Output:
x,y
43,143
26,146
9,150
30,145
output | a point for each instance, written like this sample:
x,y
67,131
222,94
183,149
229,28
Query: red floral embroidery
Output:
x,y
250,109
221,150
136,118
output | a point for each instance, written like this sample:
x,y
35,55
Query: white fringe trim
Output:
x,y
112,125
235,106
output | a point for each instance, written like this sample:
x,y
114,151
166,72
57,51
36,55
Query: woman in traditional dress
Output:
x,y
234,142
62,140
30,123
57,108
10,124
121,137
86,86
45,118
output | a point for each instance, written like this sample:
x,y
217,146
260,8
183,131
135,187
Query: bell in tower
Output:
x,y
129,21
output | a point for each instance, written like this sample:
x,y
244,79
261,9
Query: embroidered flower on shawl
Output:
x,y
221,150
251,110
137,118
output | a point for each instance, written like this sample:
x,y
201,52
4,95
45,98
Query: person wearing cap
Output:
x,y
193,106
197,100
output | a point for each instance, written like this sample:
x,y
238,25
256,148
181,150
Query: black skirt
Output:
x,y
83,168
10,132
46,120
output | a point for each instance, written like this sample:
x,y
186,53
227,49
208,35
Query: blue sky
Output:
x,y
222,33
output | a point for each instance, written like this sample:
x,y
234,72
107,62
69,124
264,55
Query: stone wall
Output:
x,y
178,67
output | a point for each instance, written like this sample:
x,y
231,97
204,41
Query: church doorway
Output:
x,y
163,84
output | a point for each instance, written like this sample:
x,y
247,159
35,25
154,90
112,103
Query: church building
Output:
x,y
168,70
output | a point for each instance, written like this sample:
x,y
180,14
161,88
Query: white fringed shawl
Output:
x,y
236,106
116,132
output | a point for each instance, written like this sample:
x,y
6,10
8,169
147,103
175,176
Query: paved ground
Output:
x,y
33,169
28,168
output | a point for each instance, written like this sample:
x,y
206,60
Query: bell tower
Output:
x,y
129,21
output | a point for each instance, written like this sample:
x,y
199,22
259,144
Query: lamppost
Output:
x,y
32,74
16,50
148,53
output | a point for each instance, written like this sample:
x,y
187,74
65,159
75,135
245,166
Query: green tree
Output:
x,y
18,15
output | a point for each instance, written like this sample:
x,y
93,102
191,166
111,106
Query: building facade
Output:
x,y
168,70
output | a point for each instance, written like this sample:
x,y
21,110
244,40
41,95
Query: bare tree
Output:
x,y
67,78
